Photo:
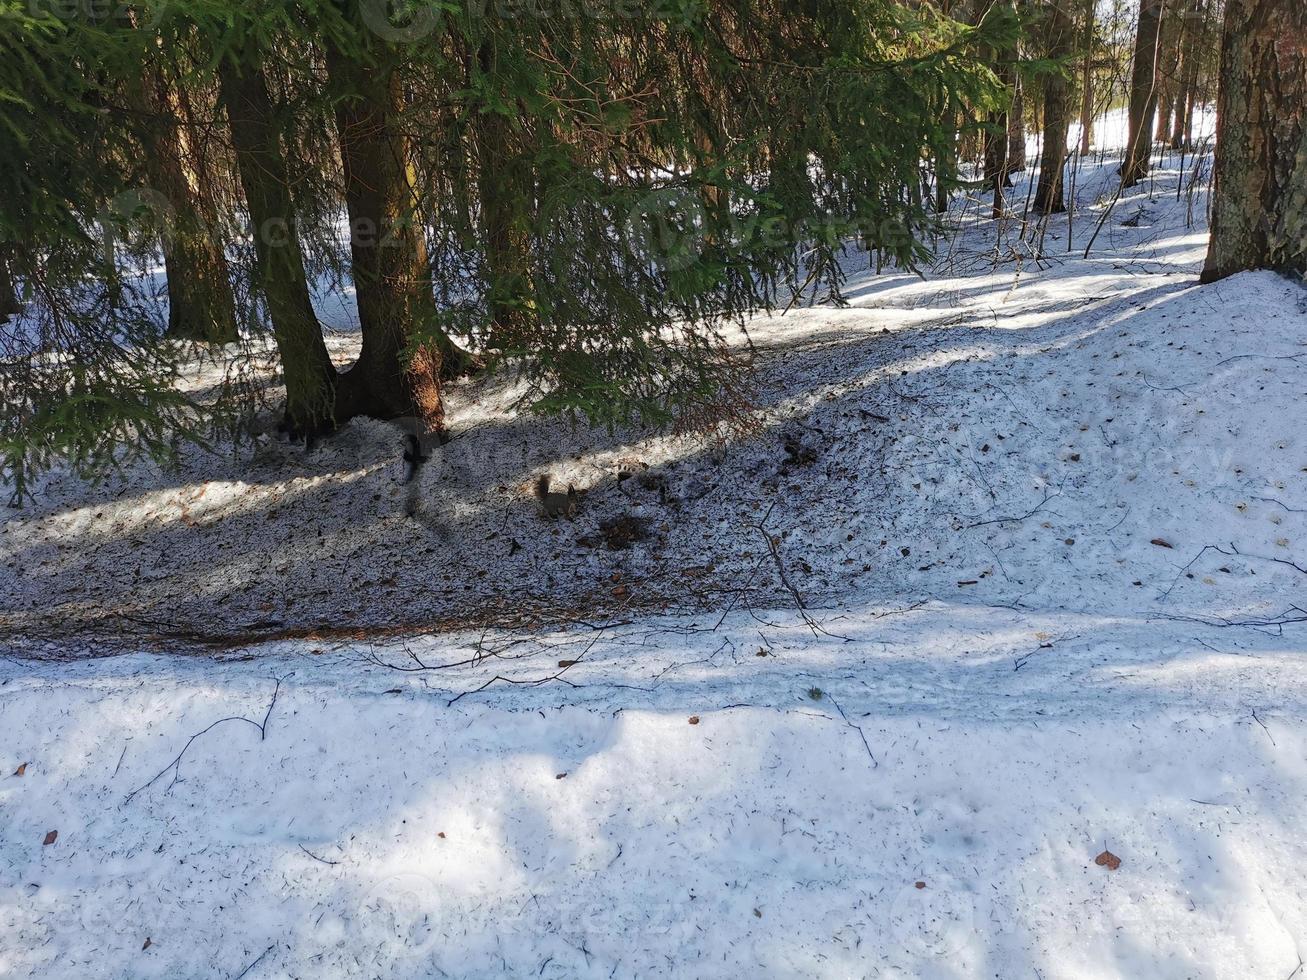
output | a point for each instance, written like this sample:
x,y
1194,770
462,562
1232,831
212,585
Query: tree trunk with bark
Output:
x,y
997,144
996,172
279,274
1169,56
1016,131
1087,82
946,170
1143,92
1059,40
1259,208
397,375
200,301
10,304
1191,46
504,189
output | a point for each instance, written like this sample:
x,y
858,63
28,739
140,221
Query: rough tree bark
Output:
x,y
309,374
1143,92
397,374
1259,209
1059,37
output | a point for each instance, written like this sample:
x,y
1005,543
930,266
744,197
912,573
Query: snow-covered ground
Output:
x,y
676,804
1046,514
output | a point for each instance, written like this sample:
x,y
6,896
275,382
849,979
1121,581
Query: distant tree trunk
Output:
x,y
1168,68
1259,210
1143,92
1175,137
504,186
997,144
1016,131
946,168
1190,45
1087,82
1165,109
309,374
200,302
1059,41
397,374
10,305
996,147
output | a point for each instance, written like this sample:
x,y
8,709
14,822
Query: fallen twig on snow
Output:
x,y
255,963
857,728
1264,728
176,763
775,552
1016,520
315,857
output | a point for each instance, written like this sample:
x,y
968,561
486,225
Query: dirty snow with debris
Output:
x,y
1045,514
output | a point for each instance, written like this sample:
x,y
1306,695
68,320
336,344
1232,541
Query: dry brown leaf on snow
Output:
x,y
21,769
1162,543
1108,860
50,838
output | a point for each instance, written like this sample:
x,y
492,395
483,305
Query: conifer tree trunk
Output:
x,y
10,305
309,374
997,145
503,187
1165,108
1168,68
1059,37
200,302
1087,82
946,170
1175,136
1190,45
1143,92
1016,131
1259,210
391,278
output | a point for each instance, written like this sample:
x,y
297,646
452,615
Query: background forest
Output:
x,y
581,196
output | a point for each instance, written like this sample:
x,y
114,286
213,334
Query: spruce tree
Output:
x,y
586,199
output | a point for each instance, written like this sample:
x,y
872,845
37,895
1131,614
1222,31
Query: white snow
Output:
x,y
999,675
